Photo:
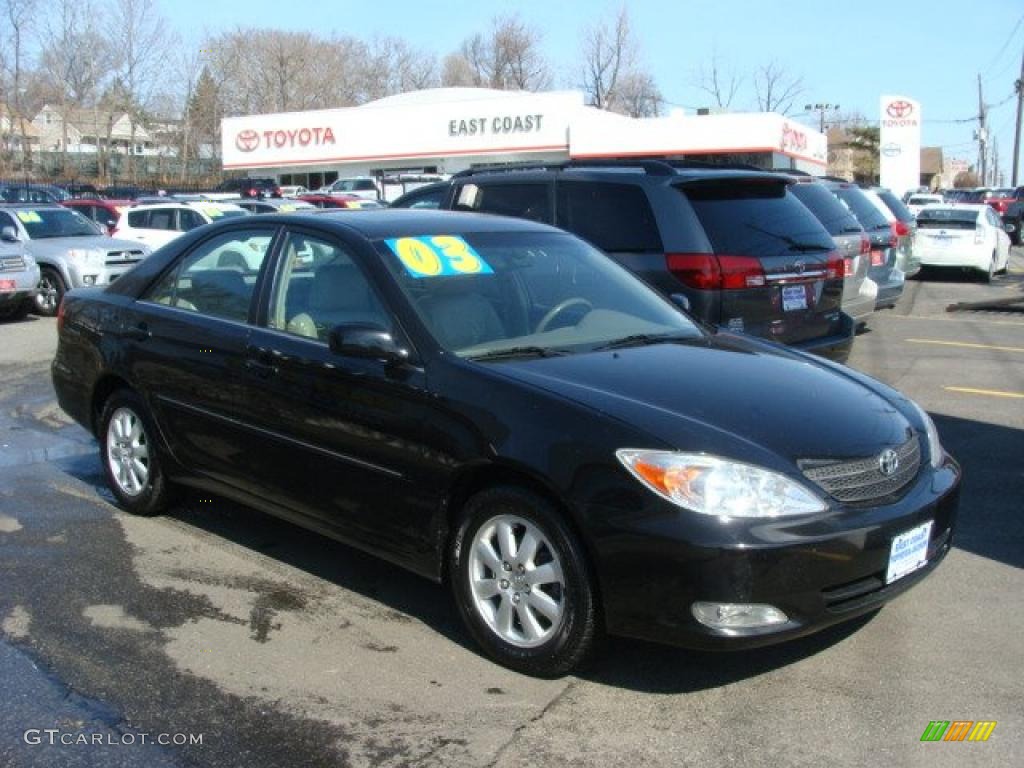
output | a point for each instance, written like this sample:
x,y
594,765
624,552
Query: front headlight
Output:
x,y
714,486
936,452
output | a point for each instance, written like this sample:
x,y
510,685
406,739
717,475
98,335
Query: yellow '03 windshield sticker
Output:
x,y
29,217
212,212
438,256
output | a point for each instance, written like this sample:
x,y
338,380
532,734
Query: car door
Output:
x,y
186,342
340,440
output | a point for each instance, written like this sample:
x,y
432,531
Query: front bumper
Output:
x,y
91,273
819,571
26,285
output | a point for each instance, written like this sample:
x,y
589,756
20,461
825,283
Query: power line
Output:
x,y
1002,50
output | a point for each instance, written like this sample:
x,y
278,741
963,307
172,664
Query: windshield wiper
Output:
x,y
640,339
512,352
794,245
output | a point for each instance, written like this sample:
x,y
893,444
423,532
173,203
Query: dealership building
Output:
x,y
446,130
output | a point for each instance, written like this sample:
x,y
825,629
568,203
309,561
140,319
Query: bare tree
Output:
x,y
18,16
508,57
720,83
140,38
613,78
638,95
776,89
74,57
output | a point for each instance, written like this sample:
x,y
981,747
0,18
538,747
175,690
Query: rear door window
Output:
x,y
528,200
835,216
899,210
613,217
867,214
744,218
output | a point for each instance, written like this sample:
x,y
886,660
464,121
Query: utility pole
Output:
x,y
821,108
1019,85
982,138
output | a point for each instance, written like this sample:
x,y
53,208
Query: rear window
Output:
x,y
614,217
894,204
865,211
931,218
834,216
524,201
756,219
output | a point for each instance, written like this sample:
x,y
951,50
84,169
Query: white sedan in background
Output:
x,y
965,236
916,202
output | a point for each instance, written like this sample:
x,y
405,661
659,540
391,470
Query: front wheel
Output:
x,y
130,459
51,292
522,583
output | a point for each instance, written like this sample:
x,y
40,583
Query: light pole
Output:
x,y
821,108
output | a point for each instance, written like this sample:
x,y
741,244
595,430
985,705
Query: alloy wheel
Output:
x,y
517,581
128,452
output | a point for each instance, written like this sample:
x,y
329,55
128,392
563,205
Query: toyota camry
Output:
x,y
494,404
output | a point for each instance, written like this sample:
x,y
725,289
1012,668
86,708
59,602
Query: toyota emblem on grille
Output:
x,y
888,462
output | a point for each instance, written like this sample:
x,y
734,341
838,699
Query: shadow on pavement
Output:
x,y
990,522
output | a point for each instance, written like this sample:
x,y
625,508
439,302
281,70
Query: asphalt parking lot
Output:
x,y
277,647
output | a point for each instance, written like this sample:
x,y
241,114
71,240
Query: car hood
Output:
x,y
728,395
54,246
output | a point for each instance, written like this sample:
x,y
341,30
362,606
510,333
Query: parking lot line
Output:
x,y
965,344
987,392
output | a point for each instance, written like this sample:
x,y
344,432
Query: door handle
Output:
x,y
140,332
262,362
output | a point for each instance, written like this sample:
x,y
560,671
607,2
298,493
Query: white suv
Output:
x,y
360,186
157,224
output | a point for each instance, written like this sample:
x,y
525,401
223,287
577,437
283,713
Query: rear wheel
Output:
x,y
130,457
987,277
51,292
522,583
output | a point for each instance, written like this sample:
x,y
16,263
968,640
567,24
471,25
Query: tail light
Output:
x,y
837,266
60,316
708,272
900,229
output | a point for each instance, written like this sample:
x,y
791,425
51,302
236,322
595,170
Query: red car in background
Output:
x,y
103,212
1000,199
338,201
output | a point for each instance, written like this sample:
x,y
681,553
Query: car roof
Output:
x,y
403,222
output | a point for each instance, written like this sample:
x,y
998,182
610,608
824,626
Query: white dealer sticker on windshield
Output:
x,y
438,256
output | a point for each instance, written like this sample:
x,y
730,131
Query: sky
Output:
x,y
846,53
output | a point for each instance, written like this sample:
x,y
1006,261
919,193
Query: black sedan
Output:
x,y
495,404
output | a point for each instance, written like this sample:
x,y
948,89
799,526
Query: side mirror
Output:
x,y
680,301
368,341
9,235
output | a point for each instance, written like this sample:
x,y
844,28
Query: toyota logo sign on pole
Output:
x,y
900,143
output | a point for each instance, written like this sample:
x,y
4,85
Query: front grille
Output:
x,y
12,264
861,481
123,258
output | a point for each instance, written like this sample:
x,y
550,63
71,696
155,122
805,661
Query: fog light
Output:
x,y
738,615
89,279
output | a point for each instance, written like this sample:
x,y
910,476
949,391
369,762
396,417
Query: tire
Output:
x,y
130,457
1015,235
51,292
987,277
545,626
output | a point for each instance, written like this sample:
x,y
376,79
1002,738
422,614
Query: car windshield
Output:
x,y
43,223
502,294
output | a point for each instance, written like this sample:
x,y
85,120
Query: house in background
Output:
x,y
15,131
88,131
